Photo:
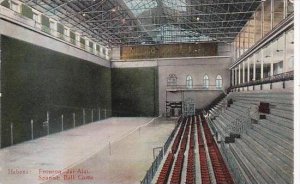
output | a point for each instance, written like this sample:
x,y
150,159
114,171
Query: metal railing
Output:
x,y
155,164
194,87
275,78
240,126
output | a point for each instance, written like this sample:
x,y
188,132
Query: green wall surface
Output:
x,y
26,11
36,80
5,3
135,91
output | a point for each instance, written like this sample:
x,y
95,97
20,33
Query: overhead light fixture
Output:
x,y
84,14
198,18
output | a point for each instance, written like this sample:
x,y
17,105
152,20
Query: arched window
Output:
x,y
219,82
172,80
189,82
205,81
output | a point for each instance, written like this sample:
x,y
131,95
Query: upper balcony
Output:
x,y
54,30
179,88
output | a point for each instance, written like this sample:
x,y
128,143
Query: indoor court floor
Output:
x,y
115,150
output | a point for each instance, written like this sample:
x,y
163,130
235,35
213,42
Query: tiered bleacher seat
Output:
x,y
264,153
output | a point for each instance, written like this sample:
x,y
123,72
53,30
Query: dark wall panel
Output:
x,y
36,80
134,91
169,50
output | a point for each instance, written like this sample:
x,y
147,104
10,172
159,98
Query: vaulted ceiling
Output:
x,y
131,22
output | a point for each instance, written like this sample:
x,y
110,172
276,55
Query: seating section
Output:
x,y
190,172
165,171
184,168
221,172
264,151
202,155
178,136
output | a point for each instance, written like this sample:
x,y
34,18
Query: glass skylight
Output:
x,y
139,6
171,34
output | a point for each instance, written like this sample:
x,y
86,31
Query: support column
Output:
x,y
272,59
254,66
239,46
232,77
255,27
284,67
239,73
248,70
0,96
262,64
285,5
272,14
243,65
236,76
262,18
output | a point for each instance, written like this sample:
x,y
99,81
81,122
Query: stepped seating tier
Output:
x,y
264,151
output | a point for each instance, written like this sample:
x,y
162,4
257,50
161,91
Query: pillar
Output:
x,y
254,66
0,97
248,69
239,74
262,64
272,58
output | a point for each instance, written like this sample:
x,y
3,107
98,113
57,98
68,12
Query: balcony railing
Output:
x,y
17,17
275,78
194,88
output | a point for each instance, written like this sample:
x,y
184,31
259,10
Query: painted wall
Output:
x,y
36,80
134,91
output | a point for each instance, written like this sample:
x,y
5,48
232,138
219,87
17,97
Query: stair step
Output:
x,y
275,163
284,154
273,137
280,130
278,119
282,113
247,165
267,172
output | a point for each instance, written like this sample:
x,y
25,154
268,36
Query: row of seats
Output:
x,y
165,171
185,135
205,178
176,175
167,167
190,172
178,136
221,172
